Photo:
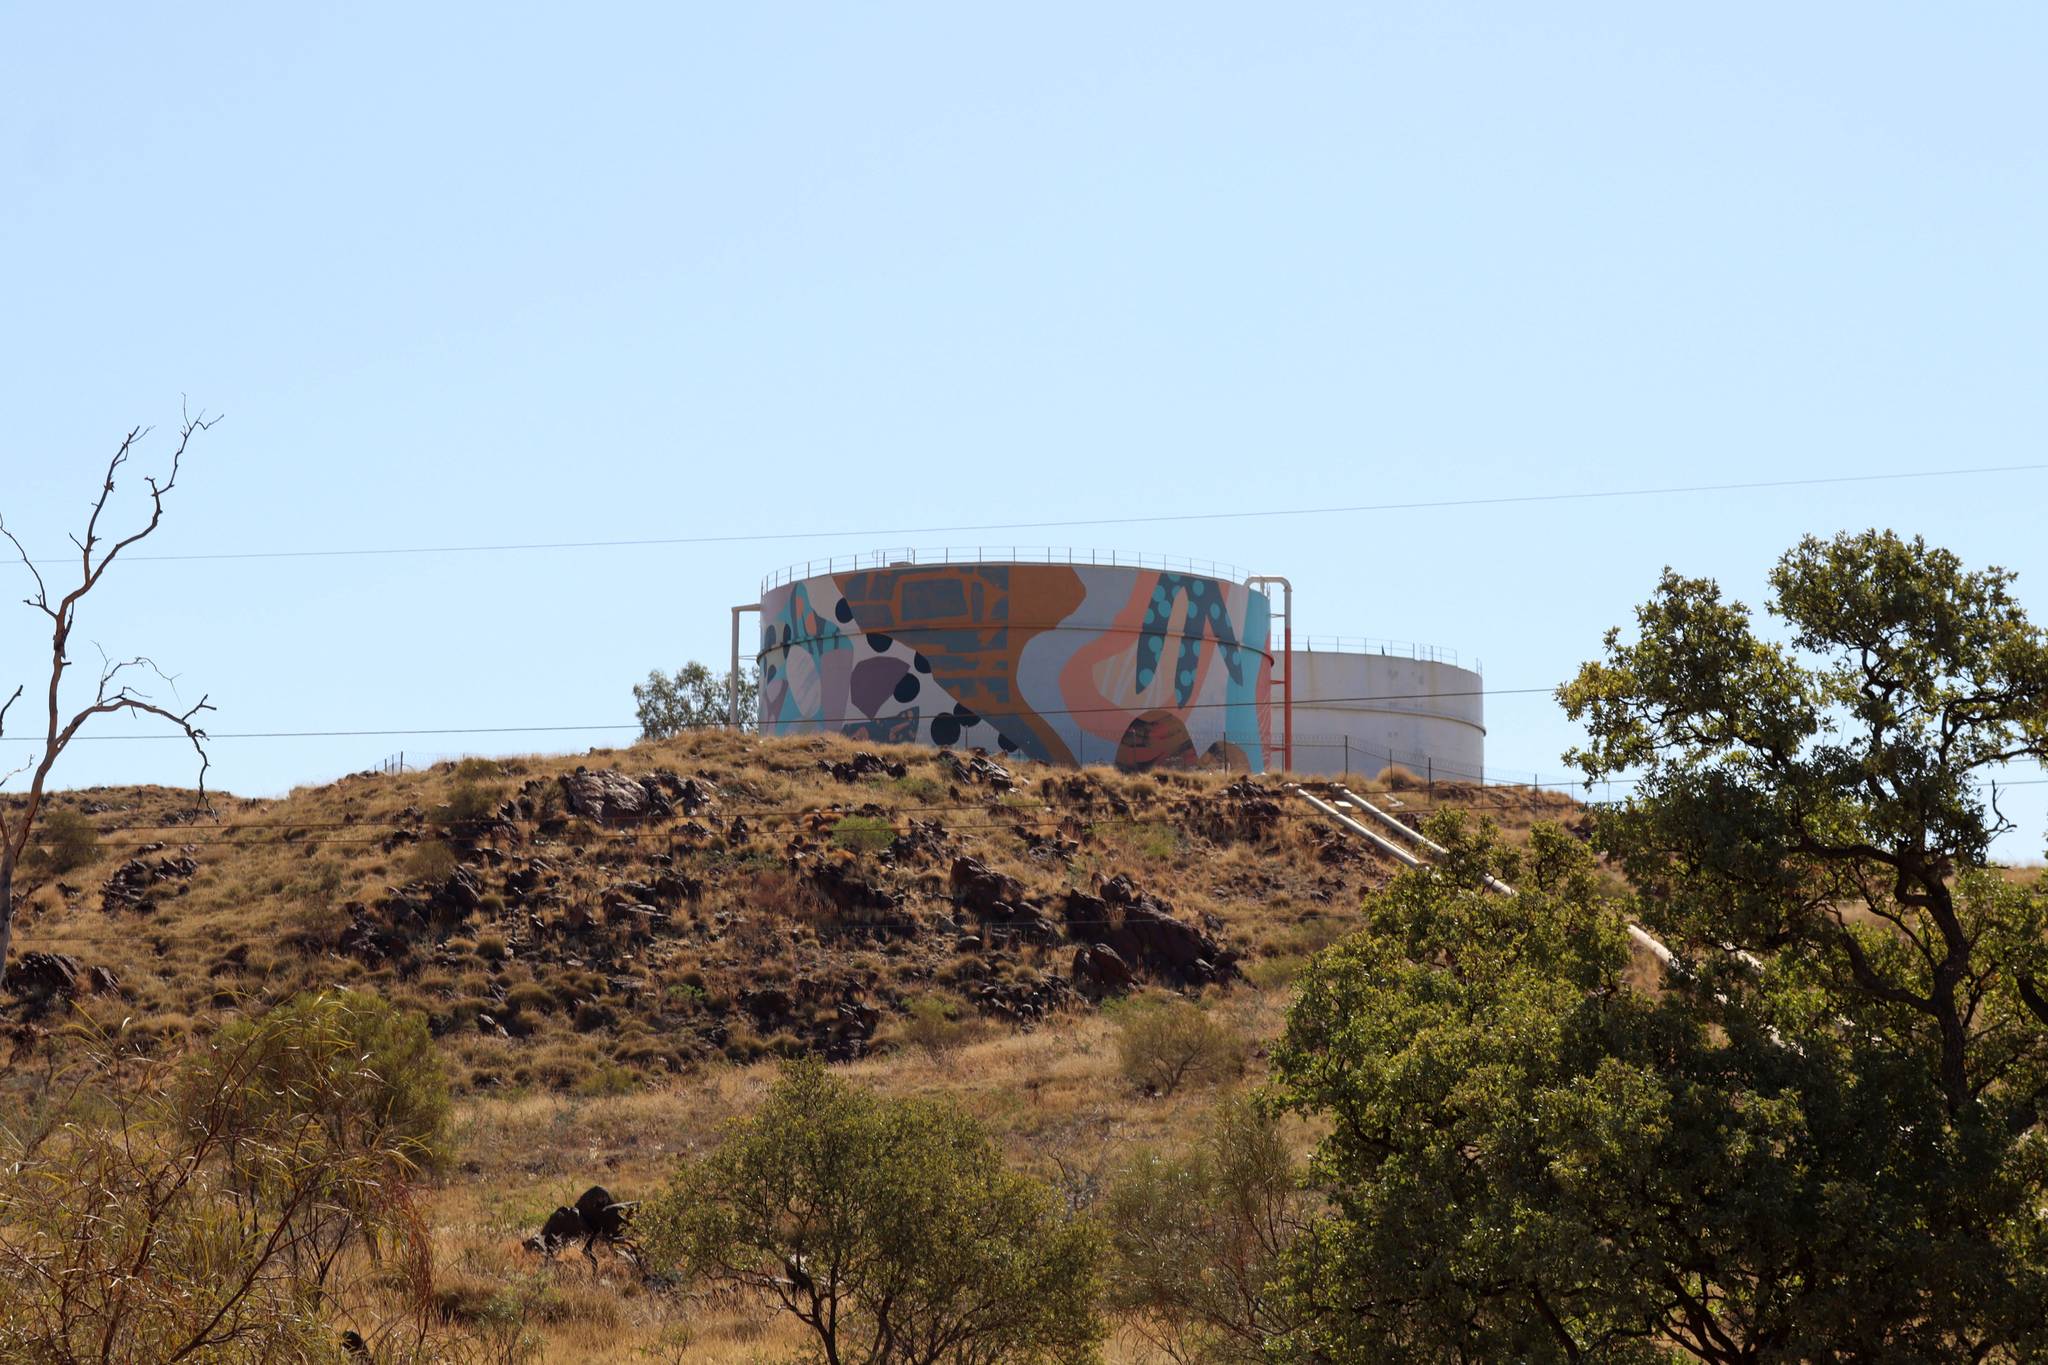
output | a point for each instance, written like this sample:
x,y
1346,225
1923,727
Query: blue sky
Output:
x,y
462,274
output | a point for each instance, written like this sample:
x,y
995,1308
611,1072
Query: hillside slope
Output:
x,y
588,922
613,948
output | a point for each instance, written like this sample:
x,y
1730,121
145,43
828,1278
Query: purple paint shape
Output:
x,y
874,683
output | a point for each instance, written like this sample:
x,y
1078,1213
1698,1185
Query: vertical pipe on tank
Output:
x,y
732,679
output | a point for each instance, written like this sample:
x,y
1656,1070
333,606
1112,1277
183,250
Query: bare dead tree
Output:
x,y
115,693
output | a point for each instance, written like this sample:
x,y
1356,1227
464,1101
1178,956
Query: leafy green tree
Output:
x,y
693,698
1533,1159
1822,801
1819,1136
890,1228
1198,1239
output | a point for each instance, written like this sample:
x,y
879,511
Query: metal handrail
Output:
x,y
1362,644
1000,554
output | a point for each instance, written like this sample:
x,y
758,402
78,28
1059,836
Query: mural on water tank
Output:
x,y
1056,662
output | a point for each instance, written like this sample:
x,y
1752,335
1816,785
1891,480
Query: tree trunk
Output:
x,y
6,911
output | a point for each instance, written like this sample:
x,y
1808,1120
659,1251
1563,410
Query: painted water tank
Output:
x,y
1149,664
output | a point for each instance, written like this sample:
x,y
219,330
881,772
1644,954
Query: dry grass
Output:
x,y
626,1049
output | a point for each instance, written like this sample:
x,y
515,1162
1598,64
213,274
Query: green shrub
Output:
x,y
530,997
430,861
918,787
65,841
1156,841
468,804
1163,1044
934,1024
607,1077
198,1209
863,833
364,1071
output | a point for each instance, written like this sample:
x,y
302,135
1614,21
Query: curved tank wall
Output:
x,y
1357,713
1064,663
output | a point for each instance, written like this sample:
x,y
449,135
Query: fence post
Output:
x,y
1430,764
1347,755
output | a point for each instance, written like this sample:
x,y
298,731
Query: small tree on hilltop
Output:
x,y
692,698
114,694
890,1228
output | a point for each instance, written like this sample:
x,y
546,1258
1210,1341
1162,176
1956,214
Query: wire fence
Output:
x,y
914,556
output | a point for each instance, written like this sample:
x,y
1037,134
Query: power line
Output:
x,y
1503,500
808,720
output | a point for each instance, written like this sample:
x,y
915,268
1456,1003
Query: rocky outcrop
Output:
x,y
924,841
1084,793
52,976
607,797
1026,1002
1243,812
371,941
1145,935
981,889
997,899
979,768
864,765
132,886
856,899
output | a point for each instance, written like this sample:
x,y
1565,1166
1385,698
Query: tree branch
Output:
x,y
41,600
110,696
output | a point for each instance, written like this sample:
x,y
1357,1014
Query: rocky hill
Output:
x,y
588,923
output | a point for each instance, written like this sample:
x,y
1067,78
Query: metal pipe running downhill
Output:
x,y
1378,841
1420,839
1636,932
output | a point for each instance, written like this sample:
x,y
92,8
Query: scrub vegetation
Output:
x,y
850,1025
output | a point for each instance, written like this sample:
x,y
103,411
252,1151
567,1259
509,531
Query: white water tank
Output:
x,y
1361,706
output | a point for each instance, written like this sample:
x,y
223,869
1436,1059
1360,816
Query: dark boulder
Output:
x,y
1146,936
673,888
768,1004
977,886
371,942
856,899
48,975
1098,971
864,765
1243,812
